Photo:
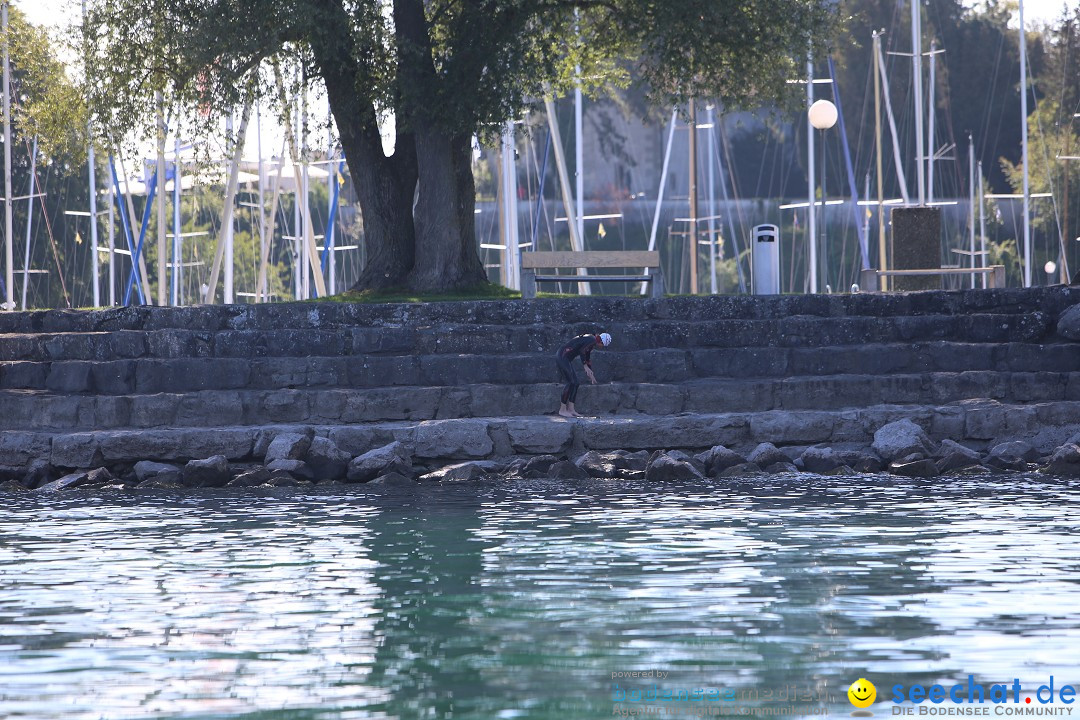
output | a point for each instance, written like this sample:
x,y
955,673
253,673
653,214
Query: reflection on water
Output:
x,y
521,600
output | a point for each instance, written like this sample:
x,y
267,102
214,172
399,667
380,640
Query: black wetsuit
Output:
x,y
581,345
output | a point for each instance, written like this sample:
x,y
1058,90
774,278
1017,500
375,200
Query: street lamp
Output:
x,y
822,115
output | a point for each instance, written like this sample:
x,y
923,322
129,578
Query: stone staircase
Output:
x,y
396,366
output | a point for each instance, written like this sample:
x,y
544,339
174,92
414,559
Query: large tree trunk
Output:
x,y
384,185
446,257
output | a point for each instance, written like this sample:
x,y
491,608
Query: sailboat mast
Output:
x,y
916,74
882,257
811,221
1024,148
9,260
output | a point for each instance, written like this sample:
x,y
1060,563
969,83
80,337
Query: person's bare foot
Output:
x,y
567,414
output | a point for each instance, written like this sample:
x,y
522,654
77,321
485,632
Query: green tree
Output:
x,y
448,70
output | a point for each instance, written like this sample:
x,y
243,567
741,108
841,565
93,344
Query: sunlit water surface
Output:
x,y
520,600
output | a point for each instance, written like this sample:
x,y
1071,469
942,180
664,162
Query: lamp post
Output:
x,y
822,115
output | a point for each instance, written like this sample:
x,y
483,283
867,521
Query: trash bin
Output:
x,y
766,260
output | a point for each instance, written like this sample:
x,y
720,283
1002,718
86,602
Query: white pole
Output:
x,y
306,207
811,221
711,149
982,226
95,260
260,289
576,243
9,260
227,297
971,215
112,253
331,240
930,124
510,208
663,184
579,175
901,178
29,223
162,256
916,69
1024,148
298,255
178,247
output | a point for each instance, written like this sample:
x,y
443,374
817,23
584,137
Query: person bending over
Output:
x,y
581,346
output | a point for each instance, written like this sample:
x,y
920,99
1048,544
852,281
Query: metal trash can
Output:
x,y
766,260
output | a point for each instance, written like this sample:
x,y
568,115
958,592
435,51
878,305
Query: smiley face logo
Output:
x,y
862,693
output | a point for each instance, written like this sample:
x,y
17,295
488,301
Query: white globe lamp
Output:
x,y
823,114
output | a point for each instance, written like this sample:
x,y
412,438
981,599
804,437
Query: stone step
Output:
x,y
147,376
563,312
979,423
211,408
795,331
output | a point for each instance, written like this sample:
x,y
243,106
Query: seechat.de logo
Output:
x,y
862,694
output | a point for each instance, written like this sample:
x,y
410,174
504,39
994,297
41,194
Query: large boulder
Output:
x,y
79,479
250,478
288,446
820,460
146,470
380,461
954,456
212,472
1068,325
616,463
1065,461
327,460
719,458
537,467
566,470
900,438
1012,455
766,454
665,468
924,468
463,472
296,468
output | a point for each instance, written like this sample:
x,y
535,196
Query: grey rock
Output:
x,y
766,454
460,472
924,468
820,460
446,439
665,468
67,482
13,486
212,472
392,478
146,469
866,464
781,467
900,438
617,463
950,447
380,461
162,482
742,470
280,478
1013,450
1065,461
251,478
957,461
682,456
288,446
839,471
566,470
297,468
38,473
538,467
540,435
327,460
1068,325
20,448
719,458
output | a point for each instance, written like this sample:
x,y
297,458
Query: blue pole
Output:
x,y
540,193
151,190
850,172
328,240
125,225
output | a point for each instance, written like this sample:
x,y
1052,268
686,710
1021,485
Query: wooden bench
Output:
x,y
533,261
995,275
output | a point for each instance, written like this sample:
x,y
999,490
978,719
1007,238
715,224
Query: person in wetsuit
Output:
x,y
581,346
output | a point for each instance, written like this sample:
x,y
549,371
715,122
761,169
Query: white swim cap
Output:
x,y
605,339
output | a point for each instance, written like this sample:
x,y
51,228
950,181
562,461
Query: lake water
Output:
x,y
520,600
